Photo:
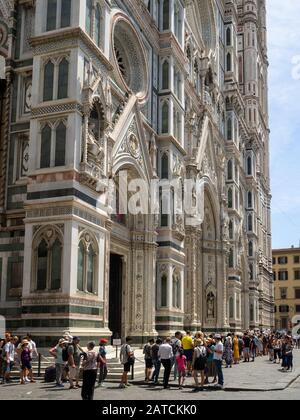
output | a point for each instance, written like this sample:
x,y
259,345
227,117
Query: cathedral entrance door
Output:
x,y
115,295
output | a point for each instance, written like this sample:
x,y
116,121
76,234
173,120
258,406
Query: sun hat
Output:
x,y
62,341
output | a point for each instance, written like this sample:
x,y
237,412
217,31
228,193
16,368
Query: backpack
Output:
x,y
65,353
175,345
50,374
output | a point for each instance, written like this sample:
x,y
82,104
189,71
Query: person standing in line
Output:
x,y
148,360
188,349
26,361
236,351
199,364
156,360
102,362
228,351
9,357
211,368
90,366
74,360
253,348
176,345
127,360
246,350
165,353
218,357
181,367
57,353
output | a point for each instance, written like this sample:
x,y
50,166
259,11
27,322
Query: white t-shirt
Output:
x,y
10,349
220,348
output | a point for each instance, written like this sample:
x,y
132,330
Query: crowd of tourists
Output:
x,y
204,356
198,355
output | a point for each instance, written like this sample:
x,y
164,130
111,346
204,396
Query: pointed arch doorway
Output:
x,y
115,295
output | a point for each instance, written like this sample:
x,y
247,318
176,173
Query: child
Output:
x,y
103,362
26,361
181,367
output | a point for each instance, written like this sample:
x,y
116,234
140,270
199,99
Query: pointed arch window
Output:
x,y
231,308
229,129
165,166
251,312
87,265
249,165
48,262
65,13
250,200
45,147
250,249
231,232
228,62
228,37
60,145
51,15
230,198
63,79
230,170
231,258
164,291
166,15
165,118
97,35
250,223
89,14
48,81
165,75
251,271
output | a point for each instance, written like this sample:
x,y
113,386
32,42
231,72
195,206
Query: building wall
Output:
x,y
286,269
181,93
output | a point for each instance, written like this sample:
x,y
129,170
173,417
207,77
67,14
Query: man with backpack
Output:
x,y
127,360
176,345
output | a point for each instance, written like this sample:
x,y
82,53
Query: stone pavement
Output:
x,y
260,375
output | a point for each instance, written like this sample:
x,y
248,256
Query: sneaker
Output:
x,y
27,380
122,386
195,390
127,385
101,385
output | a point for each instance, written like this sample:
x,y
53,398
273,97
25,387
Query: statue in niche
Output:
x,y
95,150
210,303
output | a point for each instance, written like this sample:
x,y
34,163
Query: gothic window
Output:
x,y
60,145
63,79
229,129
164,291
231,308
89,12
250,200
176,292
87,264
165,166
65,13
230,198
166,15
53,146
45,147
238,307
250,249
228,62
251,271
228,37
164,204
56,9
231,232
231,258
48,261
230,170
165,118
51,15
165,75
250,223
249,165
251,312
48,81
97,36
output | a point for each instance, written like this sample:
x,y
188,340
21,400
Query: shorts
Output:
x,y
8,367
127,367
26,365
149,363
182,373
246,351
189,354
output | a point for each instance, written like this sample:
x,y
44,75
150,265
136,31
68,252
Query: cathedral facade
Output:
x,y
157,90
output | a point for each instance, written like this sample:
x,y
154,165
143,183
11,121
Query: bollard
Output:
x,y
39,365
